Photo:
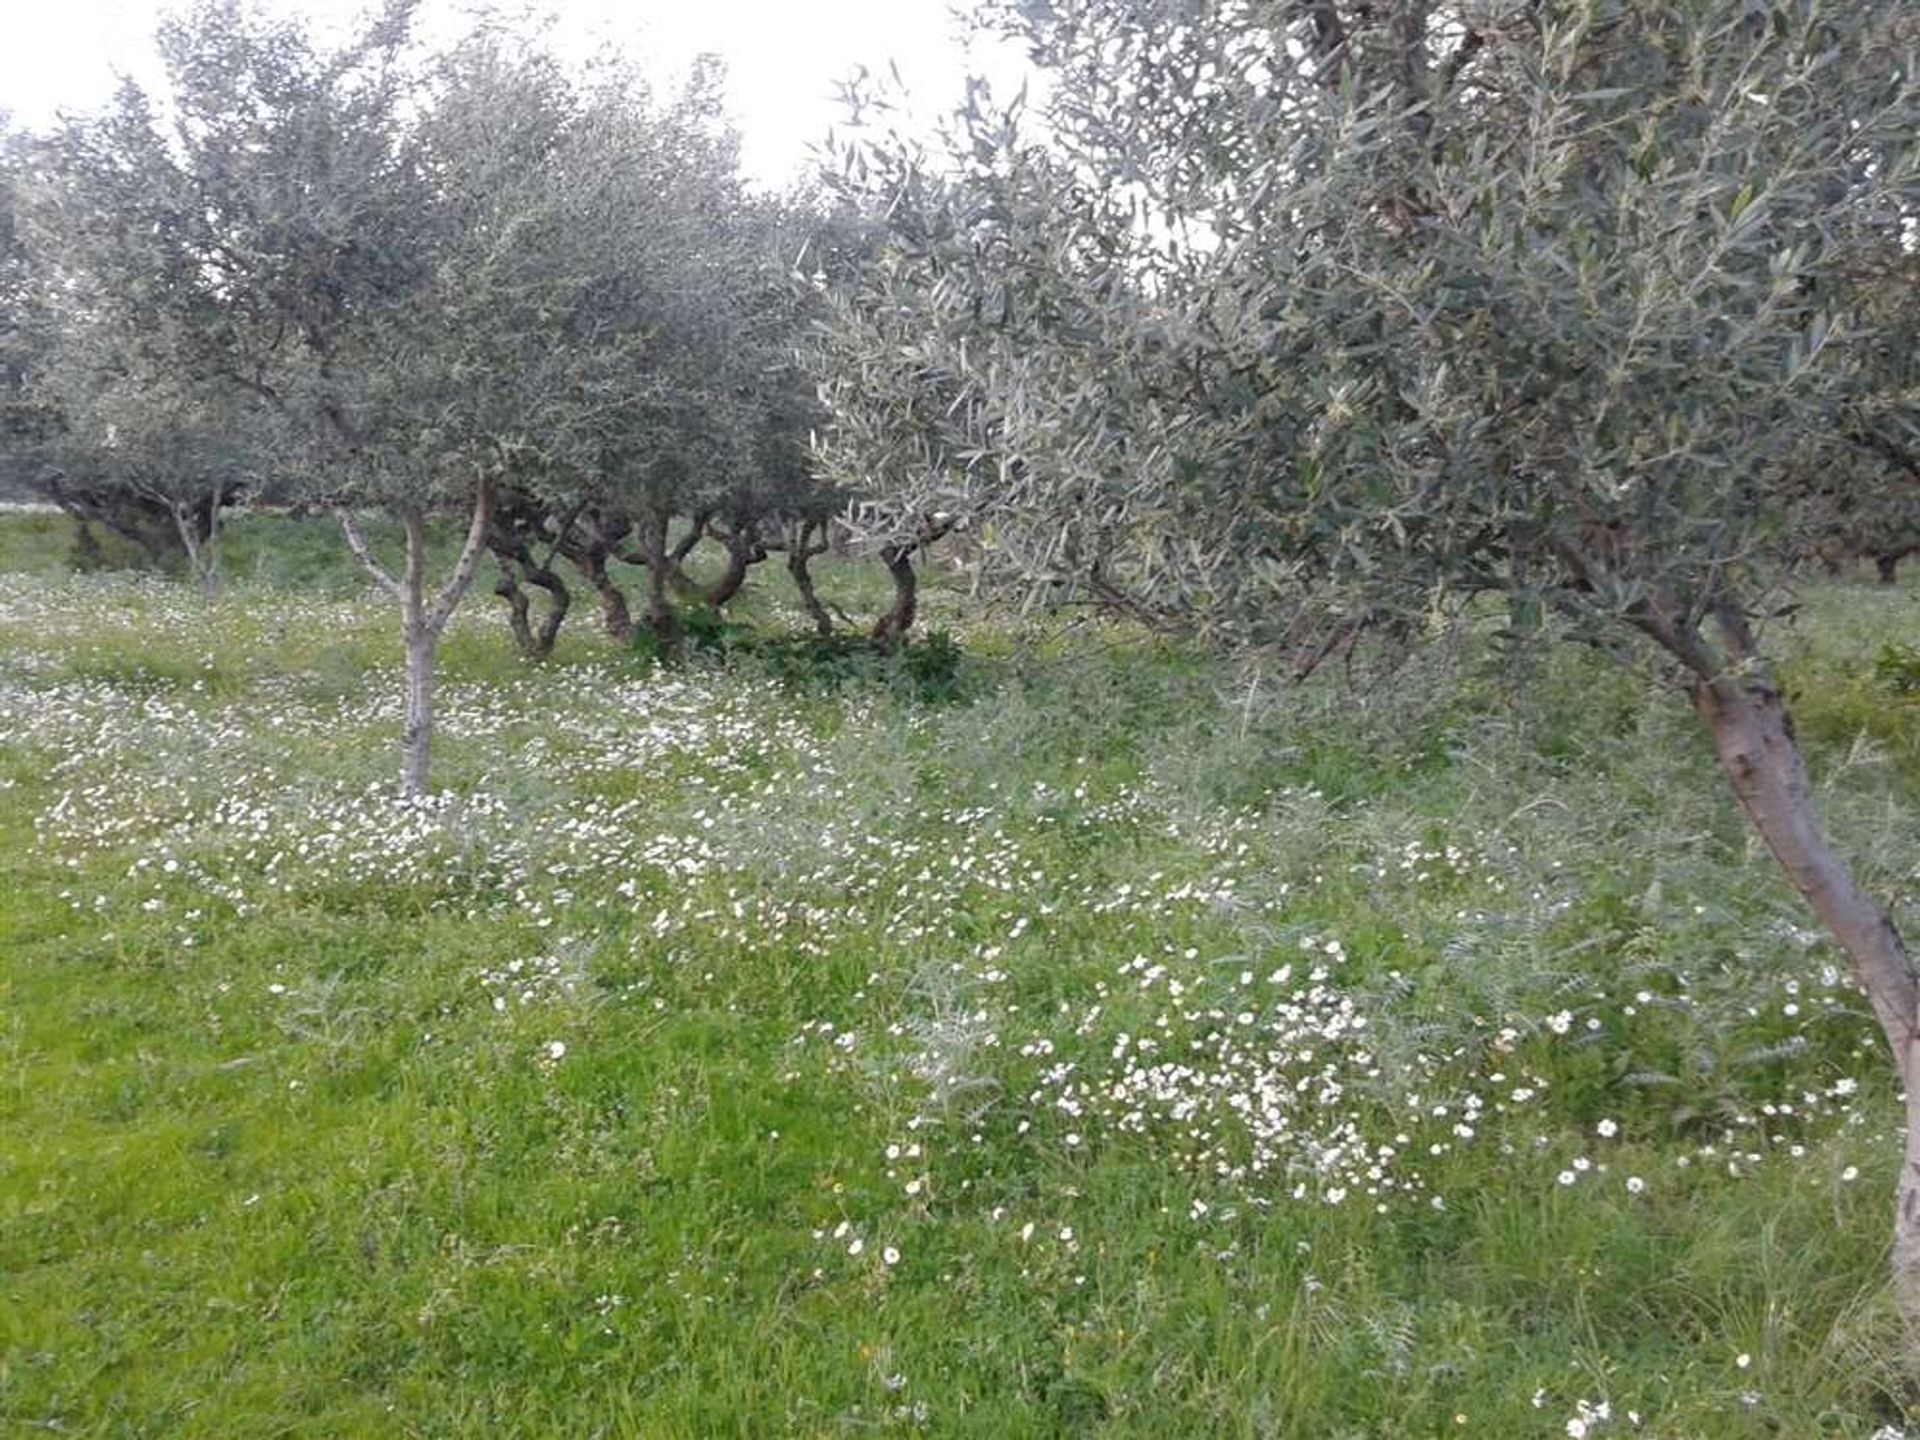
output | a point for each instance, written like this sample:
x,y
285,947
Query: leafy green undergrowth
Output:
x,y
1094,1046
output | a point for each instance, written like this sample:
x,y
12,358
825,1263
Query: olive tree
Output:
x,y
1865,500
96,411
675,409
374,244
1291,315
155,459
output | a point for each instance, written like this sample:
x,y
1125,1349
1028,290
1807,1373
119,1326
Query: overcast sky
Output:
x,y
784,57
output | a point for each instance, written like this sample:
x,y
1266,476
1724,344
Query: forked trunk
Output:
x,y
199,529
530,641
1754,740
423,620
801,548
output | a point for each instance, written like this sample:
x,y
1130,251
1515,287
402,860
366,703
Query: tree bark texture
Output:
x,y
615,616
1754,740
519,610
518,562
416,736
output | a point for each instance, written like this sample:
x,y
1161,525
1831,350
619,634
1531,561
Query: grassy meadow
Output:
x,y
1046,1033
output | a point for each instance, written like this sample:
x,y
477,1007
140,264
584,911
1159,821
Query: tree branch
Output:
x,y
470,552
357,543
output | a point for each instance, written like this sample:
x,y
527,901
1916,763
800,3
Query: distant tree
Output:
x,y
1321,314
18,425
155,460
25,422
671,419
1864,500
378,244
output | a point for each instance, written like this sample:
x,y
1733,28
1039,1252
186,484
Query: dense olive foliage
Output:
x,y
1281,321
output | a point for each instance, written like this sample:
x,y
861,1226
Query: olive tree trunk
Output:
x,y
416,735
894,623
423,620
802,546
1754,740
201,544
660,618
744,551
530,641
615,617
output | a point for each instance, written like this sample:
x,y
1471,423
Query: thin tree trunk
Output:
x,y
516,560
203,554
743,552
1754,740
559,601
730,581
423,622
684,584
416,739
416,735
892,627
518,611
685,545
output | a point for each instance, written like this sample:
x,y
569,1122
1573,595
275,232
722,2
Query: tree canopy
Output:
x,y
1280,320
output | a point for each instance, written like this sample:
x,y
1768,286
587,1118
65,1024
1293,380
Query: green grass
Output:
x,y
284,1150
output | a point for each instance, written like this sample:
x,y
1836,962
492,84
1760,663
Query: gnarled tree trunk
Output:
x,y
892,626
531,641
801,548
519,609
744,551
615,616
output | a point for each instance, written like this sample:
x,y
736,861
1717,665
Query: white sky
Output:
x,y
784,57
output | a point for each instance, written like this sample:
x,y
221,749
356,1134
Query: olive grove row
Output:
x,y
414,281
1276,322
